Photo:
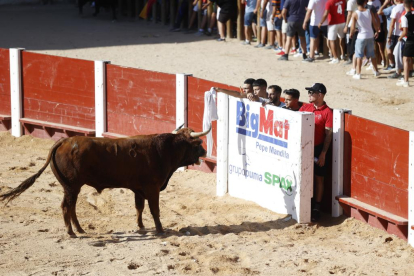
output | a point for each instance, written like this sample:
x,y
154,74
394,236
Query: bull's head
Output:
x,y
193,145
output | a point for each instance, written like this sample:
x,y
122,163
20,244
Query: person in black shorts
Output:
x,y
228,10
407,24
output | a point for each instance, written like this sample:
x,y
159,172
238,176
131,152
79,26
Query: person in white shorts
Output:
x,y
270,24
336,24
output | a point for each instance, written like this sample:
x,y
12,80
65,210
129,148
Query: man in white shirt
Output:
x,y
351,7
315,11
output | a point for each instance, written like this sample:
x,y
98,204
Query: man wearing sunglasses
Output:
x,y
323,138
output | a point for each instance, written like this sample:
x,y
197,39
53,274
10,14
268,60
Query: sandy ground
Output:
x,y
206,234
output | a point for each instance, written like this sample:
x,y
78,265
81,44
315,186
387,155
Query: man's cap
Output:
x,y
317,87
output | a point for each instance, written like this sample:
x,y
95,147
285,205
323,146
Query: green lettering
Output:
x,y
276,179
268,179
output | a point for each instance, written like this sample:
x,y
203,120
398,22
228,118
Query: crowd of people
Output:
x,y
370,33
259,91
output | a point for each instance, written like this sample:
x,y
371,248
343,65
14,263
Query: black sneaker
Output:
x,y
284,57
309,59
394,76
304,56
315,215
207,33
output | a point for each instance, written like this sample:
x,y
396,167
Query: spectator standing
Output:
x,y
248,20
277,15
386,10
323,138
293,13
335,12
365,40
407,24
394,33
351,8
228,11
315,12
261,7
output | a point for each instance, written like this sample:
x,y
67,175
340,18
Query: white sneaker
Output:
x,y
376,74
356,76
297,54
351,72
370,67
342,57
334,61
402,83
382,63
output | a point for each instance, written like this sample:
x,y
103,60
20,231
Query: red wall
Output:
x,y
5,108
376,164
139,101
58,89
196,89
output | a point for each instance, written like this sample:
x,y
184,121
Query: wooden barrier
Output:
x,y
139,101
376,171
57,90
5,109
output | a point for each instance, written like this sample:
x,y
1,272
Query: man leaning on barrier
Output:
x,y
252,90
323,138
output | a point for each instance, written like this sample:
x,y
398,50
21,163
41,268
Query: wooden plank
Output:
x,y
5,107
140,101
58,89
372,210
5,117
113,135
58,126
375,166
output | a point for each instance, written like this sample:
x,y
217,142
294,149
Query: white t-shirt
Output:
x,y
318,8
351,6
396,14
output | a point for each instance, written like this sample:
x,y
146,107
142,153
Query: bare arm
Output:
x,y
376,21
307,17
326,144
403,33
232,93
348,19
257,6
284,13
390,29
325,15
264,8
381,10
354,20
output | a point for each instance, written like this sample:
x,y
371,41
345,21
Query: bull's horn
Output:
x,y
177,129
199,134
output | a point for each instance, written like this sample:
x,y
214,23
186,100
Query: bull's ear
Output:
x,y
196,142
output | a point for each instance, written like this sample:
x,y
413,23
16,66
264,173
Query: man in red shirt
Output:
x,y
323,138
336,24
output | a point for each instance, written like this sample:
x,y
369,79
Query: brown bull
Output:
x,y
143,164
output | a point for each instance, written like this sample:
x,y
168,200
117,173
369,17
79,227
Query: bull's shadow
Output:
x,y
232,229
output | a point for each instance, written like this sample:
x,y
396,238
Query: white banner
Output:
x,y
270,157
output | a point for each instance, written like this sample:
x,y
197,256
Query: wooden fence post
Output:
x,y
16,96
100,97
222,143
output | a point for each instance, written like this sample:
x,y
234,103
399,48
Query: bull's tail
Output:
x,y
9,196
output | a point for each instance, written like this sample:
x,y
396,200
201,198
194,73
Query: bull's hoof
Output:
x,y
160,233
142,231
81,231
72,235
